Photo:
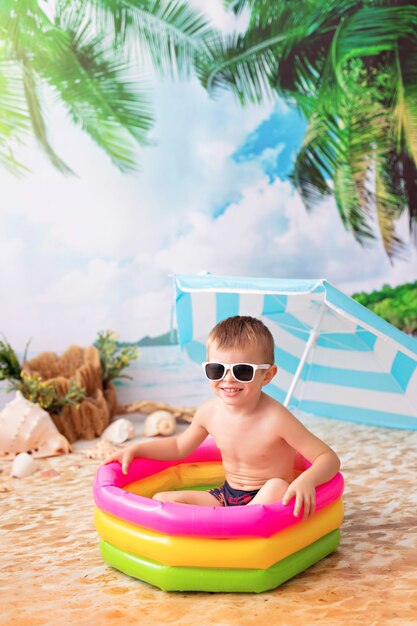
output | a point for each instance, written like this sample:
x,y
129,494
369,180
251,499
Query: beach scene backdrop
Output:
x,y
145,138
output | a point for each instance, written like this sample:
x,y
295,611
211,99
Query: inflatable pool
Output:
x,y
181,547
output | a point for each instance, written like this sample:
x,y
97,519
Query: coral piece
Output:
x,y
81,365
23,465
159,423
26,427
119,431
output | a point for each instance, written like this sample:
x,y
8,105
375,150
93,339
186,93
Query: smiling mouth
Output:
x,y
231,389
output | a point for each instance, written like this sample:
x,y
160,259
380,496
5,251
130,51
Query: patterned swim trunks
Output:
x,y
228,496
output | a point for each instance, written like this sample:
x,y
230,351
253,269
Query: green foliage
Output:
x,y
10,368
397,305
42,392
32,387
351,69
87,54
114,358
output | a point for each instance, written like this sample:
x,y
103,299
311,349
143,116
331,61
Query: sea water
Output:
x,y
160,374
164,374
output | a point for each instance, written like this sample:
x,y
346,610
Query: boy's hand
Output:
x,y
125,457
304,492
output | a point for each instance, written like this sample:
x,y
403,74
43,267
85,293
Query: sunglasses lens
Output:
x,y
243,372
214,371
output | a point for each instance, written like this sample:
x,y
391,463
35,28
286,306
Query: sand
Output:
x,y
51,570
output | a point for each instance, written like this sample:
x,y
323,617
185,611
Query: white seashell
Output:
x,y
159,423
25,426
119,431
23,465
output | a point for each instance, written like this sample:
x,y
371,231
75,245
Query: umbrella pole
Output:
x,y
311,342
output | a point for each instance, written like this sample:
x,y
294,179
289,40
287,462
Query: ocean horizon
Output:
x,y
164,374
160,374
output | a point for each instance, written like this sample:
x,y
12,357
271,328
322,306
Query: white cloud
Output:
x,y
214,154
269,233
105,213
269,157
222,19
95,283
148,313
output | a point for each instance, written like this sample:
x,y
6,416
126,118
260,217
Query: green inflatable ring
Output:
x,y
177,578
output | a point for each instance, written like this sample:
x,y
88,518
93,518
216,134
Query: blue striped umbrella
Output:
x,y
336,358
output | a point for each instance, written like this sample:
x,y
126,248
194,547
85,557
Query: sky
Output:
x,y
98,251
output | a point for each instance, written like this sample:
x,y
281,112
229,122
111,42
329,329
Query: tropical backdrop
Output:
x,y
142,138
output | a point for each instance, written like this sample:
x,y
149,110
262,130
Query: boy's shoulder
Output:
x,y
271,403
276,408
206,408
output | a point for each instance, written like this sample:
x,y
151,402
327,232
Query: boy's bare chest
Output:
x,y
244,442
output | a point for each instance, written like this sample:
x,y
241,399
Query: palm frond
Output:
x,y
9,162
409,180
355,134
14,118
405,97
262,12
261,61
402,172
351,68
397,171
19,33
338,149
247,63
102,97
238,6
360,123
348,204
35,109
246,66
99,94
314,165
169,32
388,208
372,30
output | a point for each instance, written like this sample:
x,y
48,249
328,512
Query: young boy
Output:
x,y
257,436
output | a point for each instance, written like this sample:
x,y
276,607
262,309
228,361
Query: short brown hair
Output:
x,y
239,330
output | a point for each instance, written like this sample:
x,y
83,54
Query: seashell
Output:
x,y
159,423
119,431
101,450
23,465
25,426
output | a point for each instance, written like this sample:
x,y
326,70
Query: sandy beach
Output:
x,y
51,568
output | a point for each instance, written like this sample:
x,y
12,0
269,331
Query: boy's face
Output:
x,y
229,389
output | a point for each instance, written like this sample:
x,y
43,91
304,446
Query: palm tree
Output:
x,y
351,68
81,53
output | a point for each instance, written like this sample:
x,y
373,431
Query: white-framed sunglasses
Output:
x,y
242,372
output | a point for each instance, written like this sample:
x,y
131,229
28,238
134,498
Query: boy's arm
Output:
x,y
324,464
165,449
